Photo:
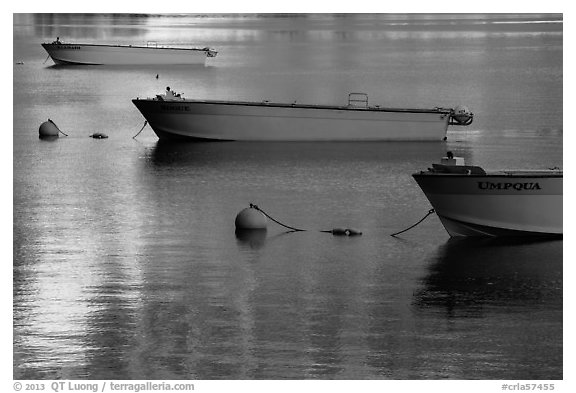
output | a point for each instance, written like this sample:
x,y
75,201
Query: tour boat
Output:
x,y
174,117
473,202
151,54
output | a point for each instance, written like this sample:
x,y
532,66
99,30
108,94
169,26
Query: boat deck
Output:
x,y
527,173
371,108
66,44
472,170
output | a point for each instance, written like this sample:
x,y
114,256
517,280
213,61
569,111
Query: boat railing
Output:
x,y
358,100
530,172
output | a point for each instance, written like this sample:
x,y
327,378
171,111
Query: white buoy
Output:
x,y
48,128
251,218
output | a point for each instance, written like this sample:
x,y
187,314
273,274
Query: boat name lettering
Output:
x,y
177,108
73,47
486,185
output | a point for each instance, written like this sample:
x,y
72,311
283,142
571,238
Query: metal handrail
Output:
x,y
358,98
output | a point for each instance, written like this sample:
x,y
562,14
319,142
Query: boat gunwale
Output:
x,y
519,174
443,111
52,45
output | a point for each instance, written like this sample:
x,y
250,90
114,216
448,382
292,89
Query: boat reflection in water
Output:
x,y
475,277
491,304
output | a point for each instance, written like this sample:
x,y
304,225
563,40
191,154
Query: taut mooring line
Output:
x,y
145,122
410,227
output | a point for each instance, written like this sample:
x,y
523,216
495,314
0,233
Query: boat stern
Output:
x,y
461,116
210,52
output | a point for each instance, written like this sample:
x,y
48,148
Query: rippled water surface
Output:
x,y
126,264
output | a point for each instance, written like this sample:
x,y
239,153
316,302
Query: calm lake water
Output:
x,y
126,264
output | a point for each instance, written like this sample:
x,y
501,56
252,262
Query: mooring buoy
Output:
x,y
250,218
48,128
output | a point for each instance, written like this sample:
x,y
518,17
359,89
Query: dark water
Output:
x,y
125,260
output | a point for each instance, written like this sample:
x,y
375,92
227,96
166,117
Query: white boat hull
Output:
x,y
507,204
91,54
241,121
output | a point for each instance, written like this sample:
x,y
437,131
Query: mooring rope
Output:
x,y
58,128
145,122
412,226
335,231
276,221
46,59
